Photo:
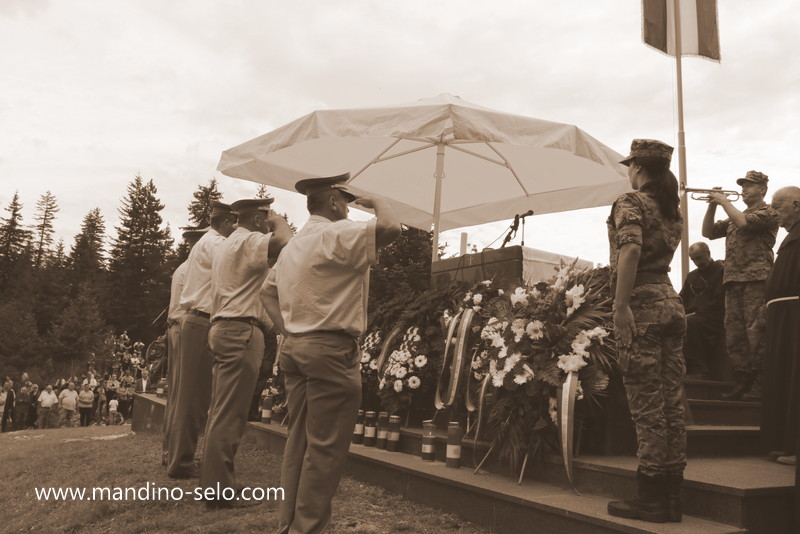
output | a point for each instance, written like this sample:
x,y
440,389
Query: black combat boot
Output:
x,y
673,483
755,390
744,381
650,505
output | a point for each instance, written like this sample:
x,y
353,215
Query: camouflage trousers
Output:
x,y
745,325
653,377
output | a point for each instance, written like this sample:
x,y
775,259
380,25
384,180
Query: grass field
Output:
x,y
115,457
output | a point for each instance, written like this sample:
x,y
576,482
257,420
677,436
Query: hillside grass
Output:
x,y
116,457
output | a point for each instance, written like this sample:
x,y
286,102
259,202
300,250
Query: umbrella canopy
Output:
x,y
440,161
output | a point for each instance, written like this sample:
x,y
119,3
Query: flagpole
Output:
x,y
681,145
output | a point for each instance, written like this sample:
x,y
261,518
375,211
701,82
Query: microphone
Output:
x,y
527,213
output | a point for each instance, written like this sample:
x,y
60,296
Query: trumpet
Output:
x,y
704,194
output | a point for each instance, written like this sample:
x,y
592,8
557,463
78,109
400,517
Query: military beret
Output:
x,y
219,208
648,148
312,186
754,177
246,205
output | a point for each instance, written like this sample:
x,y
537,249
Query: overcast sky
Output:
x,y
94,92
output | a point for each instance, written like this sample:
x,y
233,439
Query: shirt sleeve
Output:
x,y
628,220
270,285
762,218
353,244
720,229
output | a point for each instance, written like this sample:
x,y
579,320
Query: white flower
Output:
x,y
477,376
497,379
574,298
520,379
571,362
579,391
366,357
398,385
520,296
498,341
373,365
414,382
511,361
467,297
487,283
518,327
420,361
534,329
382,383
476,308
528,370
477,298
401,372
501,292
492,367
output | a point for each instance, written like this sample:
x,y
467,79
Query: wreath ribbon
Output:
x,y
566,421
463,322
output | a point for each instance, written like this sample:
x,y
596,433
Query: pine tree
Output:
x,y
46,209
200,208
14,244
262,191
139,264
404,266
78,331
87,257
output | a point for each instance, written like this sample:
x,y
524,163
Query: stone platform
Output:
x,y
727,494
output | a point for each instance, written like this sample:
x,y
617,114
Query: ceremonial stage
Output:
x,y
729,488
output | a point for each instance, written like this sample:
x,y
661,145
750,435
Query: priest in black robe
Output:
x,y
781,399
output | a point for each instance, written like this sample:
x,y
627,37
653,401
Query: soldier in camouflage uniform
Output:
x,y
750,236
644,230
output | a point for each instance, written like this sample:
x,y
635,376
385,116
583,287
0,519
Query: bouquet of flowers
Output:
x,y
530,338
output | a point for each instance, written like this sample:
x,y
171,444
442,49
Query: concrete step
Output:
x,y
706,389
721,412
494,501
751,492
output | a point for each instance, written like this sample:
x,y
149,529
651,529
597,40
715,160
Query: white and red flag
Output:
x,y
699,32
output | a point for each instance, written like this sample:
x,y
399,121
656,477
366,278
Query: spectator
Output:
x,y
47,401
33,414
85,400
101,403
69,403
144,384
125,393
3,398
8,419
22,408
90,380
112,386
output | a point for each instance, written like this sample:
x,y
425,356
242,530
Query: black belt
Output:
x,y
644,277
249,320
200,313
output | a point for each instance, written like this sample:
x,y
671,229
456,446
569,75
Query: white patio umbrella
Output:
x,y
440,161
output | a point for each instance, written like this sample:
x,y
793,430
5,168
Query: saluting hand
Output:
x,y
366,202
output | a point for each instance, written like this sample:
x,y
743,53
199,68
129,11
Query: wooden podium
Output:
x,y
510,265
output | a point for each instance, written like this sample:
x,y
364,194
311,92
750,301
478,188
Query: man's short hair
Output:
x,y
701,245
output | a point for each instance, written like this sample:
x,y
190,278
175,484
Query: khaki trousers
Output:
x,y
173,344
237,350
323,389
192,394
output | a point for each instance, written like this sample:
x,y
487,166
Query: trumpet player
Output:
x,y
749,238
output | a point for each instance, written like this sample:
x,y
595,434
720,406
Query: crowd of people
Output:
x,y
752,301
91,399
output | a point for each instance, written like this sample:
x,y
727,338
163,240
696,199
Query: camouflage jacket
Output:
x,y
748,250
636,218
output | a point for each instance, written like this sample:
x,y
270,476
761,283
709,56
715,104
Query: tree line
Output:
x,y
62,303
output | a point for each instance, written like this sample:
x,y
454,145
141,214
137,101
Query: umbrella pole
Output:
x,y
437,199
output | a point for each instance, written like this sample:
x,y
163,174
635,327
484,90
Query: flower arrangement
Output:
x,y
407,378
530,338
370,349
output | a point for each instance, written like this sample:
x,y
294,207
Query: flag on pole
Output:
x,y
698,27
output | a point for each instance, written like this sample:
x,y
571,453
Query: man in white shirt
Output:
x,y
316,294
193,388
174,314
69,402
236,338
47,400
